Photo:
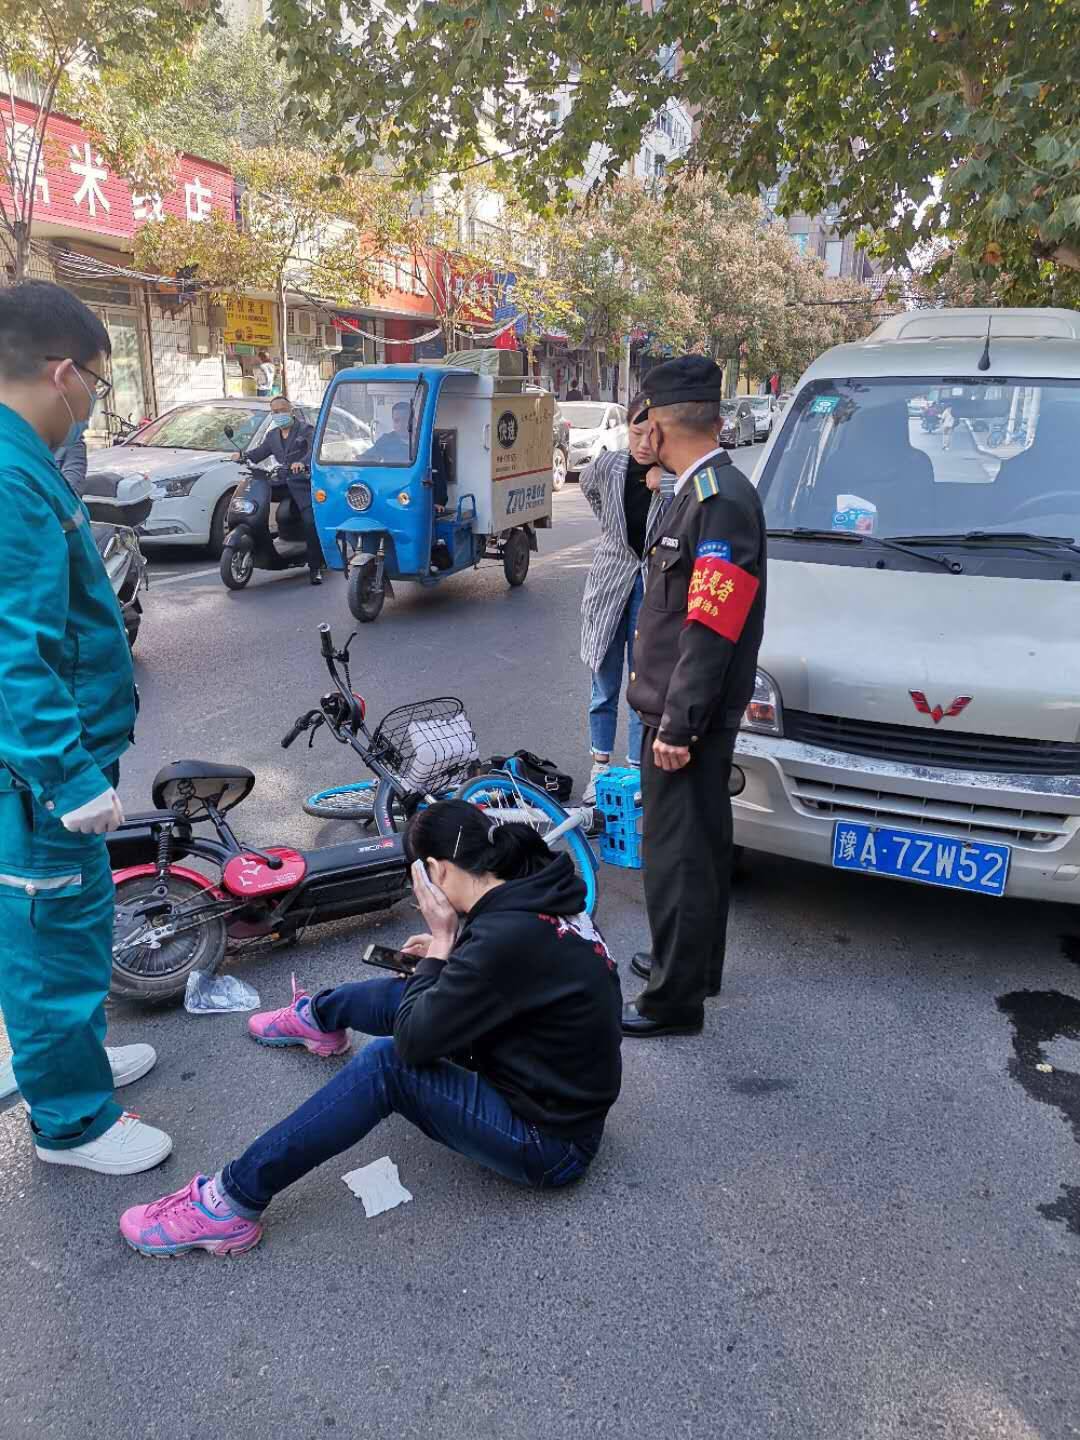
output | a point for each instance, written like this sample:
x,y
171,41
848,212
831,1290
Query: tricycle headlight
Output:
x,y
359,496
764,714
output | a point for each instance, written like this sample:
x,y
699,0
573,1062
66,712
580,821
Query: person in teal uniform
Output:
x,y
67,712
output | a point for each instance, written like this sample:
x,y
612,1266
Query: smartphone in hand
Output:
x,y
385,958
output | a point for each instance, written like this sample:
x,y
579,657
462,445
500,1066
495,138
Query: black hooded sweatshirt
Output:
x,y
531,994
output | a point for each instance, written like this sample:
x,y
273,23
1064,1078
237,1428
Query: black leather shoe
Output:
x,y
315,577
641,964
641,1027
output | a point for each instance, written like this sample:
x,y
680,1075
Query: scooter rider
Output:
x,y
288,443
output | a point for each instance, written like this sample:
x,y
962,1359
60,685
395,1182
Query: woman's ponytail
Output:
x,y
475,840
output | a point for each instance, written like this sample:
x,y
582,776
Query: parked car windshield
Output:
x,y
760,402
902,457
728,407
582,416
373,422
202,427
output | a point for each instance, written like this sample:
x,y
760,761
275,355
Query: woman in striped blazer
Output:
x,y
628,492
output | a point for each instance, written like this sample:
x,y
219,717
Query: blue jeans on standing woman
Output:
x,y
455,1106
607,683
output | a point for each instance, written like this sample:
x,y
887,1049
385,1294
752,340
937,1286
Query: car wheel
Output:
x,y
218,524
558,468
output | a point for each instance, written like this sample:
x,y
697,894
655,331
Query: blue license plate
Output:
x,y
929,859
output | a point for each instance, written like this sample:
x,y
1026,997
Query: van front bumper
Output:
x,y
795,794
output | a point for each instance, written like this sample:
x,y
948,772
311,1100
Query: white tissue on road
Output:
x,y
378,1186
7,1080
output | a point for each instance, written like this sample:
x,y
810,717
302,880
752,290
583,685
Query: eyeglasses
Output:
x,y
102,388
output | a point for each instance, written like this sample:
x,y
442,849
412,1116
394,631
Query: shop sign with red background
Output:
x,y
76,190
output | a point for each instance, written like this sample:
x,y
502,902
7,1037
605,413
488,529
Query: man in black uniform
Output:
x,y
695,659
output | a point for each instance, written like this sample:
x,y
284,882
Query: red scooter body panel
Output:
x,y
249,875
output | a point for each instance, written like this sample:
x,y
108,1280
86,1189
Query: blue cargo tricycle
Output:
x,y
420,471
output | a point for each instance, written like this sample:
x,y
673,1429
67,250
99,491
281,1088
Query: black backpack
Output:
x,y
541,773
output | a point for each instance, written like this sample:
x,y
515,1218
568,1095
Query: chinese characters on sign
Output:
x,y
249,322
73,186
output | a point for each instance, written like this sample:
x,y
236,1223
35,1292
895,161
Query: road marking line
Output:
x,y
185,575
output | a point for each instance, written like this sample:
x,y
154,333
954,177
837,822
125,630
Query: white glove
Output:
x,y
97,816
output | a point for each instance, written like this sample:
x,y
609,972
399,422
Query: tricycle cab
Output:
x,y
431,467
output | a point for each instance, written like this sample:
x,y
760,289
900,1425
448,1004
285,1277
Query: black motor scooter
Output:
x,y
250,543
117,505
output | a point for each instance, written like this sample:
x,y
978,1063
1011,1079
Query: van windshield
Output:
x,y
373,422
912,457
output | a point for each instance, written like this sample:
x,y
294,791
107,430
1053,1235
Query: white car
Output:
x,y
595,426
917,707
186,454
765,411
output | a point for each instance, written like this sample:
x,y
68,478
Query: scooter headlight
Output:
x,y
244,507
359,496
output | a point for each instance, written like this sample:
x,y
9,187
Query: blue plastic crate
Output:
x,y
618,799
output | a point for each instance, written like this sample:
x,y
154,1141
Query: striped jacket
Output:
x,y
615,567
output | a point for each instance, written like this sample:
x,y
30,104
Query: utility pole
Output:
x,y
624,371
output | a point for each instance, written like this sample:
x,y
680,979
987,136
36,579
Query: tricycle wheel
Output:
x,y
237,562
365,598
146,973
516,557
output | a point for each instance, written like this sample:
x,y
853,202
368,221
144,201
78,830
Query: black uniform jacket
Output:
x,y
288,448
699,628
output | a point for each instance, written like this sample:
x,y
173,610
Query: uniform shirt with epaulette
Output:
x,y
700,624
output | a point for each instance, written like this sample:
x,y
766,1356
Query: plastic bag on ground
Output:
x,y
217,994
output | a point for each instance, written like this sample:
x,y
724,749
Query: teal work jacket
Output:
x,y
67,686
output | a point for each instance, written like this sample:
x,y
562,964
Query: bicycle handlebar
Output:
x,y
298,729
326,640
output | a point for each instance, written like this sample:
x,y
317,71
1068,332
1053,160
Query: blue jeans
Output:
x,y
448,1103
607,686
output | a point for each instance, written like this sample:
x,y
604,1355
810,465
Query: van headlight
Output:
x,y
765,714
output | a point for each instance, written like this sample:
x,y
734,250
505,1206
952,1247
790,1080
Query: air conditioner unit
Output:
x,y
303,324
329,338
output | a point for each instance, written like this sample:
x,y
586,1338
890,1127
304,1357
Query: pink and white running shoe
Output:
x,y
288,1026
182,1221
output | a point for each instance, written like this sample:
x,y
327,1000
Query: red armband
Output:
x,y
721,596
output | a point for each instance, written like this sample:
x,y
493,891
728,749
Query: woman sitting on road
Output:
x,y
512,975
626,489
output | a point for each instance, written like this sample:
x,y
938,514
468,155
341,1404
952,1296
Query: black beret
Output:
x,y
685,380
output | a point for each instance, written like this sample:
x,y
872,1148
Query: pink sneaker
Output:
x,y
181,1221
288,1027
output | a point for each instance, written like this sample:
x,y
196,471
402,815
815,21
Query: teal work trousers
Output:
x,y
56,928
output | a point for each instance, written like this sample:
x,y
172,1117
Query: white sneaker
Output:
x,y
126,1148
130,1062
599,767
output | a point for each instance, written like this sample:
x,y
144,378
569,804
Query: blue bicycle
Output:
x,y
423,752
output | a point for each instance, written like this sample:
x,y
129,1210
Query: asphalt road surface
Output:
x,y
850,1209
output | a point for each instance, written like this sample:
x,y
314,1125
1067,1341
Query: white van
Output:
x,y
917,709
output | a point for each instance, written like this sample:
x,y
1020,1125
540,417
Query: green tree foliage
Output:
x,y
916,119
234,94
105,61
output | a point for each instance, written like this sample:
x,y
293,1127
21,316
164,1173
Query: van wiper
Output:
x,y
851,537
1011,539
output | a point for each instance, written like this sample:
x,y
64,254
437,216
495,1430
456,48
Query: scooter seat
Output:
x,y
185,786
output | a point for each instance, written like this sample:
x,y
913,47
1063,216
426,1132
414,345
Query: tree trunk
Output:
x,y
731,375
593,377
283,310
20,249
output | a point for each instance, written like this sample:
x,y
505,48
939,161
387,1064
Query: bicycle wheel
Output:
x,y
507,798
344,802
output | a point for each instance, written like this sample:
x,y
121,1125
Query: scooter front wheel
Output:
x,y
237,562
365,598
148,965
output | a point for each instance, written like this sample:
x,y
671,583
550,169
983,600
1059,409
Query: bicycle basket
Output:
x,y
429,744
